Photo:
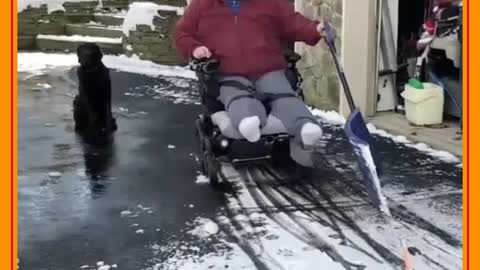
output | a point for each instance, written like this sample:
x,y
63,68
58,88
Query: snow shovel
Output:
x,y
358,135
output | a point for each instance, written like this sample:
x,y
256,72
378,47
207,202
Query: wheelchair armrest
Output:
x,y
205,66
291,57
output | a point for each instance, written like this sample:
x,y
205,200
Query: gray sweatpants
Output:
x,y
272,89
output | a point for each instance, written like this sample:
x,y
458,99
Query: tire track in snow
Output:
x,y
238,228
304,234
307,195
401,215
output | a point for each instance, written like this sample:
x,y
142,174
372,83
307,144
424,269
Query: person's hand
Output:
x,y
320,29
201,52
327,31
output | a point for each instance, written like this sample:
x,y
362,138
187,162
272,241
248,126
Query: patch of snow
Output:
x,y
125,213
100,263
234,259
94,23
54,174
84,266
44,21
79,38
44,85
422,147
52,5
139,231
202,180
191,206
171,146
143,208
331,117
129,47
143,13
442,155
35,62
205,228
335,118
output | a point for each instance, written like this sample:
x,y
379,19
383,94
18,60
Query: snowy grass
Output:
x,y
78,38
38,63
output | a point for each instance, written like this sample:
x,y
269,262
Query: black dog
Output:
x,y
92,107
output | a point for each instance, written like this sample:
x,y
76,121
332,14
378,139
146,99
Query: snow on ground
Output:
x,y
285,239
205,228
37,63
335,118
44,85
202,180
78,38
143,13
52,5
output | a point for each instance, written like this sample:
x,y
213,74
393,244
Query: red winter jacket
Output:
x,y
250,44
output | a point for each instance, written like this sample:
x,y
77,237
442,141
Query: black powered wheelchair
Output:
x,y
220,141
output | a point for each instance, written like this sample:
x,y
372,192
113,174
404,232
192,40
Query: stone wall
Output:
x,y
155,45
321,84
175,3
34,21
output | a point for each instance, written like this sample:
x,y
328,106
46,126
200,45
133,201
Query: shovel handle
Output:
x,y
341,73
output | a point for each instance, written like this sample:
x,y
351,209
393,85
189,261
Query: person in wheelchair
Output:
x,y
248,38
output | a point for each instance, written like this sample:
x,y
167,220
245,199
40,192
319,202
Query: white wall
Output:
x,y
359,36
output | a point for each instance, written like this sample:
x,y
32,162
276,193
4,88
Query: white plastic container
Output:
x,y
424,106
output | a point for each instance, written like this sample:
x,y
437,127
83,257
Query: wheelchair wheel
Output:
x,y
210,168
281,155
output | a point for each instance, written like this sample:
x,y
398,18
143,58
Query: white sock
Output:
x,y
311,133
249,127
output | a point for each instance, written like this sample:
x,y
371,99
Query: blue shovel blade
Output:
x,y
359,137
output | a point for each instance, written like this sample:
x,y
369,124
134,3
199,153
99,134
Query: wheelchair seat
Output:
x,y
209,91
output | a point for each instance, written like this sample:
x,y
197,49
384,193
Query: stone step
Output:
x,y
93,30
70,43
109,19
26,42
118,4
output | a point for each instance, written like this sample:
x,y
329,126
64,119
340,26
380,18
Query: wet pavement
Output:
x,y
131,205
